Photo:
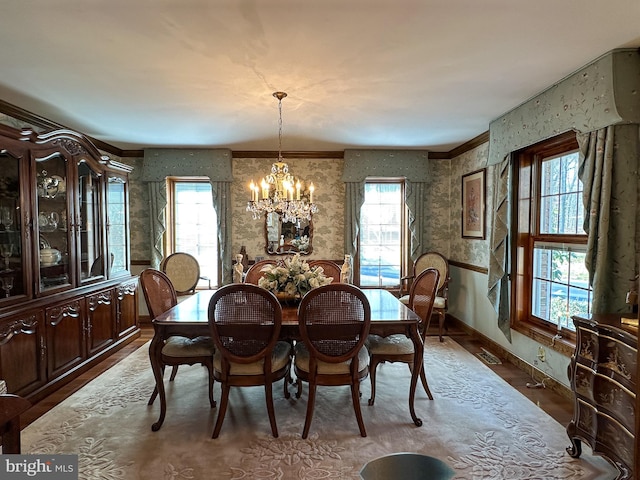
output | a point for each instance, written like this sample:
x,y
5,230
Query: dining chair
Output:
x,y
400,348
160,296
254,273
334,322
331,269
183,270
245,323
431,260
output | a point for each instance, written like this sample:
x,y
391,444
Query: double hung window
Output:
x,y
382,234
551,282
192,225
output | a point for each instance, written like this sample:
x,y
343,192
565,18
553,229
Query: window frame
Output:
x,y
170,233
526,172
404,234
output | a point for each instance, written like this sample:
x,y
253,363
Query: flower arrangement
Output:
x,y
292,277
301,243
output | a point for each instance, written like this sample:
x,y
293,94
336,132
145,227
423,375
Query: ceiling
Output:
x,y
428,74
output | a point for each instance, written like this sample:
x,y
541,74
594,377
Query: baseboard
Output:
x,y
536,374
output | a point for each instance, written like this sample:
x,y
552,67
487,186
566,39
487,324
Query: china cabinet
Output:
x,y
604,379
67,296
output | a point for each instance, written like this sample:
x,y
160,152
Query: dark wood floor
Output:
x,y
554,404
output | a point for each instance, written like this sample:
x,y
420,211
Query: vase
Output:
x,y
286,299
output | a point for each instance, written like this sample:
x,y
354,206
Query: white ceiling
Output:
x,y
427,74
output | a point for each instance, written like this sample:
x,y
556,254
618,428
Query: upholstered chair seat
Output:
x,y
324,368
393,344
280,356
188,347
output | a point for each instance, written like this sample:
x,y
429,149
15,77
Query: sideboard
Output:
x,y
604,379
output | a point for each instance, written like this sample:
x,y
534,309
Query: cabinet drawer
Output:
x,y
618,361
615,399
614,437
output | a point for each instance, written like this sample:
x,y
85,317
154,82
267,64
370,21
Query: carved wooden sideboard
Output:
x,y
64,210
604,380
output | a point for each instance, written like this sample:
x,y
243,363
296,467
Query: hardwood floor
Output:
x,y
555,405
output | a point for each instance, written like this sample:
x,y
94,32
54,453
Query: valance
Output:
x,y
160,163
410,164
600,94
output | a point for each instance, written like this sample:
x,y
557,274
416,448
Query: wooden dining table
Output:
x,y
189,318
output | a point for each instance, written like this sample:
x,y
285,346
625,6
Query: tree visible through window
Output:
x,y
382,221
194,225
552,282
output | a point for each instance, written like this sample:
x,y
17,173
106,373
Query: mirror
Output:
x,y
285,238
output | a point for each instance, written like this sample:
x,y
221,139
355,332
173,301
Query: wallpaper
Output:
x,y
471,251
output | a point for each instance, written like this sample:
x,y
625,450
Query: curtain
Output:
x,y
221,192
498,278
354,198
610,203
415,201
157,205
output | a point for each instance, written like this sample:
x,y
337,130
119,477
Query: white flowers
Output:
x,y
302,243
293,276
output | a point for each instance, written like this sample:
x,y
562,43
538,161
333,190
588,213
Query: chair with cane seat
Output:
x,y
334,322
441,302
160,296
245,323
399,348
183,270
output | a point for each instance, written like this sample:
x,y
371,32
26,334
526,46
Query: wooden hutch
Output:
x,y
67,297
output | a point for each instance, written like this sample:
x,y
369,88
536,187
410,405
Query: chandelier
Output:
x,y
280,191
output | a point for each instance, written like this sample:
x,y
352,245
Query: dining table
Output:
x,y
189,318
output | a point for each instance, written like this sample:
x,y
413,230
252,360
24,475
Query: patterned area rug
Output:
x,y
477,423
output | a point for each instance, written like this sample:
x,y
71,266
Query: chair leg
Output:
x,y
287,381
224,402
373,365
212,402
310,406
355,396
174,371
268,392
299,390
441,323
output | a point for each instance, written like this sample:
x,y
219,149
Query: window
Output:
x,y
552,282
193,225
382,239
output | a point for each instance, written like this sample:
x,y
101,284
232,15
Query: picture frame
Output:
x,y
473,204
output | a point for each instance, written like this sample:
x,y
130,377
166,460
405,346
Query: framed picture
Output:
x,y
473,215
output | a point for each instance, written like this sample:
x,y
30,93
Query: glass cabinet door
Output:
x,y
117,229
89,225
13,275
51,221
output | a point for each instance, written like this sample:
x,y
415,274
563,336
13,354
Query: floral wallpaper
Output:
x,y
328,231
139,212
471,251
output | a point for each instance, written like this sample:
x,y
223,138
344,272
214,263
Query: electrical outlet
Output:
x,y
542,355
535,362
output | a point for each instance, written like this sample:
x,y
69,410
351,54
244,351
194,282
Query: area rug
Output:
x,y
477,423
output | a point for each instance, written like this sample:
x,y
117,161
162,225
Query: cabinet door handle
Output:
x,y
43,348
